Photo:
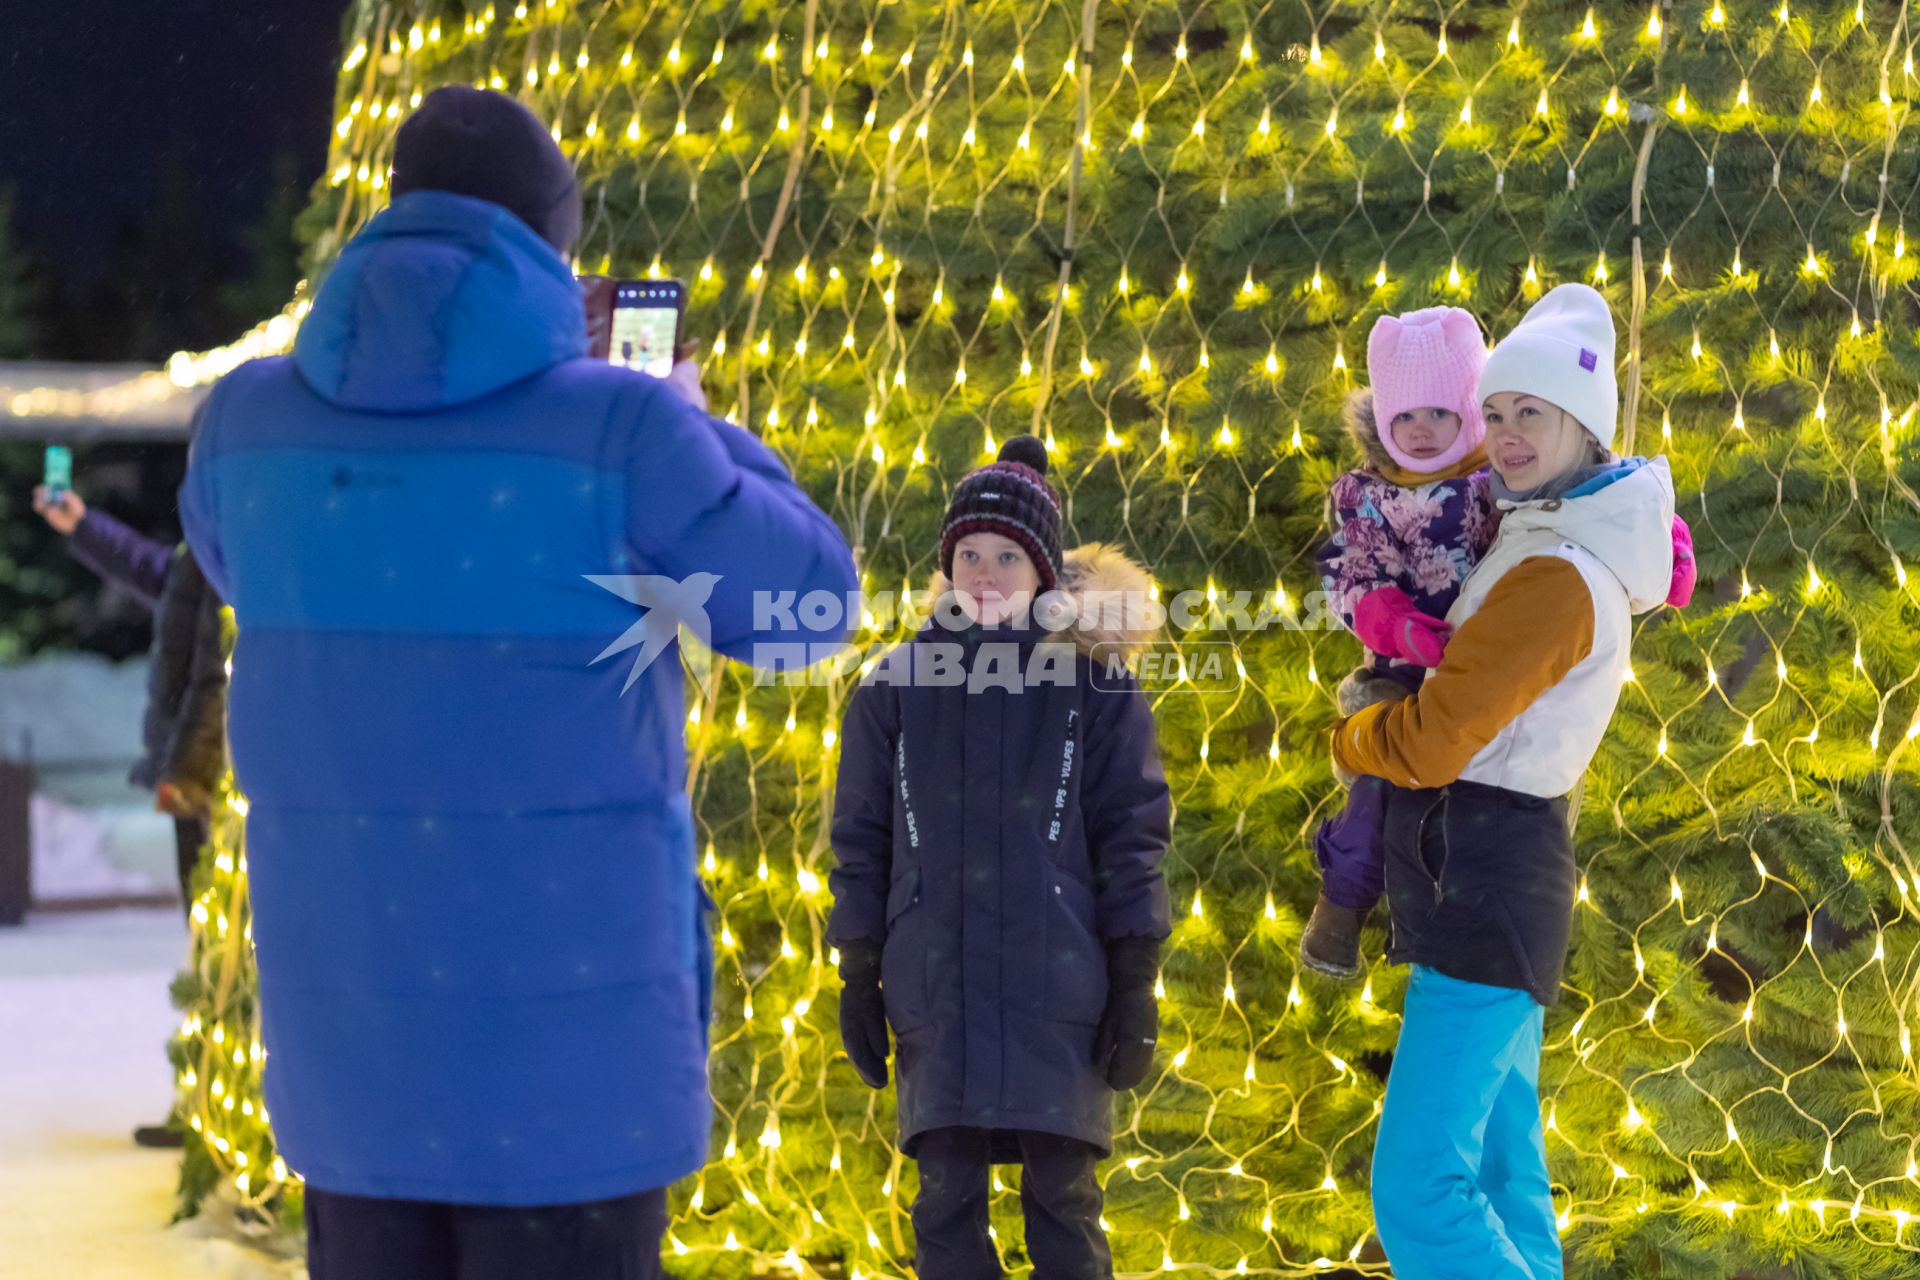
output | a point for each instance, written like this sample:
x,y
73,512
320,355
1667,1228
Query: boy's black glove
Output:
x,y
863,1014
1123,1046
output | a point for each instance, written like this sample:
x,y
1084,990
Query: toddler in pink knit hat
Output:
x,y
1409,525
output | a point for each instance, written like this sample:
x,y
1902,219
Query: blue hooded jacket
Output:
x,y
483,964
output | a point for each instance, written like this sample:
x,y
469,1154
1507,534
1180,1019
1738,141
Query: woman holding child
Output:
x,y
1479,867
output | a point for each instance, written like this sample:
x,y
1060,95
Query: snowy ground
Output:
x,y
83,1021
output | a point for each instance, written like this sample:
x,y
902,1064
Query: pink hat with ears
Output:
x,y
1428,359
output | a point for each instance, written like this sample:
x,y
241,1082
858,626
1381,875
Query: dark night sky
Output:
x,y
94,92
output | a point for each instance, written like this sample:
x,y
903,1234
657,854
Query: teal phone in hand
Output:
x,y
58,475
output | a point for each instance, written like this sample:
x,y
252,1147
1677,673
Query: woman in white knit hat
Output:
x,y
1480,870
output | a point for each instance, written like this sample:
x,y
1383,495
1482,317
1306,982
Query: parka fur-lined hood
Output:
x,y
1107,593
1364,427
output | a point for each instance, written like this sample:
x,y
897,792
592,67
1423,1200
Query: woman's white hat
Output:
x,y
1562,352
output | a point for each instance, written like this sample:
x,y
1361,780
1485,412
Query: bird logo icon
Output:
x,y
671,603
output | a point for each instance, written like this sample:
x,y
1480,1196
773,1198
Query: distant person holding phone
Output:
x,y
484,972
183,731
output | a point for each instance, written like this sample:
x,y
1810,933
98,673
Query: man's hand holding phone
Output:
x,y
685,376
64,510
638,324
596,294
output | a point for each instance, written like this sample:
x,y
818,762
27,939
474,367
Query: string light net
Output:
x,y
1156,235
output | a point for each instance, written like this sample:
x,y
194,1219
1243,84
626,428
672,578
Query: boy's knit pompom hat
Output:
x,y
1428,359
1562,352
1010,497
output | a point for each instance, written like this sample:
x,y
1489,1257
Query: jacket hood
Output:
x,y
441,299
1623,517
1106,594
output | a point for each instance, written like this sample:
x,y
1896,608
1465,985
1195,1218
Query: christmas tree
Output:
x,y
1157,235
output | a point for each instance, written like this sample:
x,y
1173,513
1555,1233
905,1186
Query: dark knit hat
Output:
x,y
1010,497
476,142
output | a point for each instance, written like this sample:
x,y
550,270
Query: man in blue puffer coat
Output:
x,y
483,964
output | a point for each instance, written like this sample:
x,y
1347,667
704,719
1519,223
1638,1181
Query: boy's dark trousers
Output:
x,y
1059,1193
189,838
357,1238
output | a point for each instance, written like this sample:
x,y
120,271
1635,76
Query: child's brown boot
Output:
x,y
1331,943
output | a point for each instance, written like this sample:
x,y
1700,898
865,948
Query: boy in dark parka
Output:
x,y
998,898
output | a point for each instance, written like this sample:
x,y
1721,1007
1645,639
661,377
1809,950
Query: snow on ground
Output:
x,y
84,1019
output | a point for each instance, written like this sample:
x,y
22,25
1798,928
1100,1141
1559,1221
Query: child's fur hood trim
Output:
x,y
1364,427
1108,594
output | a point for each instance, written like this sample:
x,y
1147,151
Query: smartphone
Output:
x,y
58,474
645,333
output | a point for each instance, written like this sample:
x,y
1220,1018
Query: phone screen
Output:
x,y
59,469
646,323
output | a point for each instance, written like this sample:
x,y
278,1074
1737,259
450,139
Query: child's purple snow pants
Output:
x,y
1350,845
